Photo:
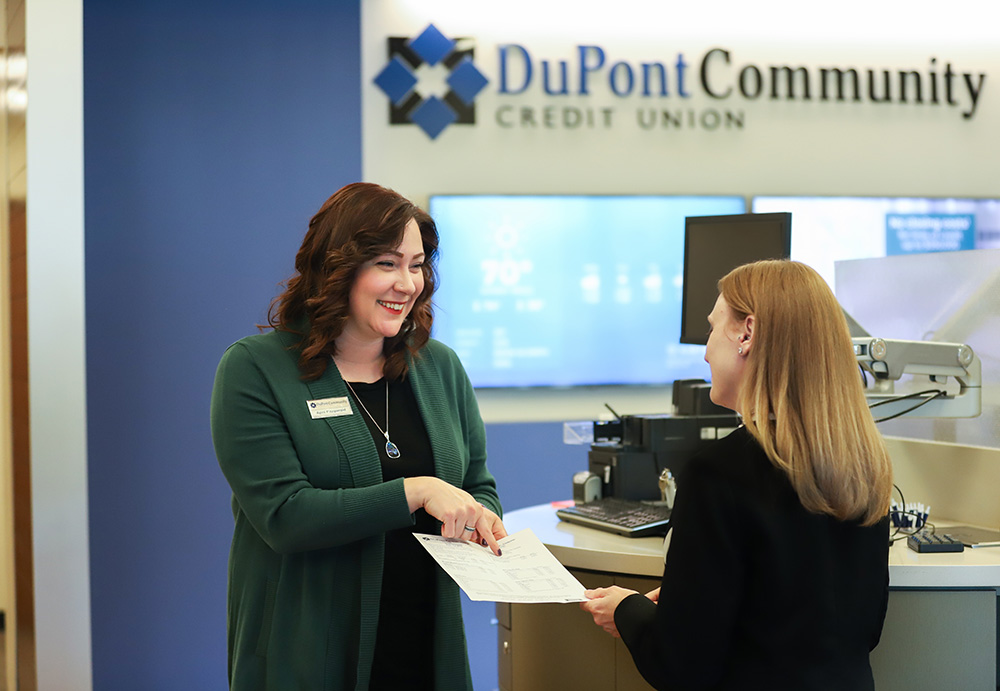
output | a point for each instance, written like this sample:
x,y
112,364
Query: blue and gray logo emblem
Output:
x,y
402,80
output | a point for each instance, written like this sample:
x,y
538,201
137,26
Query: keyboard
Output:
x,y
621,516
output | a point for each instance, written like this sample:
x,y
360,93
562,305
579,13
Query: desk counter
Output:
x,y
940,629
585,548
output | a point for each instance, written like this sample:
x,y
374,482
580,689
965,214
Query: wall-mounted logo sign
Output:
x,y
432,82
400,81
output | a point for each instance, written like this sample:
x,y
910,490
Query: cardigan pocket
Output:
x,y
267,618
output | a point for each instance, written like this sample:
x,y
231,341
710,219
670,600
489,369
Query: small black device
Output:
x,y
621,516
629,453
714,246
693,397
923,542
586,487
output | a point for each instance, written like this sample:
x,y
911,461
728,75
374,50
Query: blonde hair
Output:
x,y
801,394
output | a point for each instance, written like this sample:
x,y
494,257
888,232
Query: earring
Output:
x,y
740,350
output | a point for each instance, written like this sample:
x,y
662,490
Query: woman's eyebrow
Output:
x,y
397,253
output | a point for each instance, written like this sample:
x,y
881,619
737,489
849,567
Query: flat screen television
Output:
x,y
566,290
830,229
714,246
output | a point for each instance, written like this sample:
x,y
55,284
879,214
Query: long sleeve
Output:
x,y
685,641
757,592
290,475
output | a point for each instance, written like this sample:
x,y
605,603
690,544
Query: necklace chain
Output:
x,y
391,450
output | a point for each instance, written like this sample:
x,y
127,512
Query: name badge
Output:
x,y
329,407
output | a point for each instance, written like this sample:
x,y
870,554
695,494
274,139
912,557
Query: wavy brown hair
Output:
x,y
358,223
801,396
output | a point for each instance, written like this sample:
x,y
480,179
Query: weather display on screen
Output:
x,y
566,290
829,229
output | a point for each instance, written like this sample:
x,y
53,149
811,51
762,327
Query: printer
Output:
x,y
629,454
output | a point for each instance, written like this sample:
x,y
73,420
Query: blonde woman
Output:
x,y
777,571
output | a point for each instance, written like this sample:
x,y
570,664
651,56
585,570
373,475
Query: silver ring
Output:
x,y
470,529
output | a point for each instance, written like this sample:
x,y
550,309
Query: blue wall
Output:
x,y
213,131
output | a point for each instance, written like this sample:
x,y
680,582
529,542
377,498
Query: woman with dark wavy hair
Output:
x,y
343,431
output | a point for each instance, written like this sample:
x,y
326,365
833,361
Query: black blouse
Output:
x,y
404,652
757,592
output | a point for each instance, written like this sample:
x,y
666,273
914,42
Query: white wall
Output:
x,y
783,146
56,344
957,481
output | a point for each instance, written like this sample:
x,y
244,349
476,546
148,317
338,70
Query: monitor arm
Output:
x,y
887,360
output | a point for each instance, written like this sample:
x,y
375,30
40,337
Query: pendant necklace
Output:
x,y
391,450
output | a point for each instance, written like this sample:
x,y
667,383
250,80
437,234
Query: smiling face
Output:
x,y
385,289
727,337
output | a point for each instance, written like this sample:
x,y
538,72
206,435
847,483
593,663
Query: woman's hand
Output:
x,y
602,604
489,530
460,514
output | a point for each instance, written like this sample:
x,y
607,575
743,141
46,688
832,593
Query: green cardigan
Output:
x,y
311,510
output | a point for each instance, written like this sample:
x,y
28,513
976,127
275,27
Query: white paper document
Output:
x,y
527,571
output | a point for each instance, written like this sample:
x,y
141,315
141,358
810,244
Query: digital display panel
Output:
x,y
559,291
829,229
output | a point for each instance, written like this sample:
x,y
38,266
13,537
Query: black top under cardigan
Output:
x,y
757,592
404,652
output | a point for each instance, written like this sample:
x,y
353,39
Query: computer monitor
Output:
x,y
715,245
566,290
